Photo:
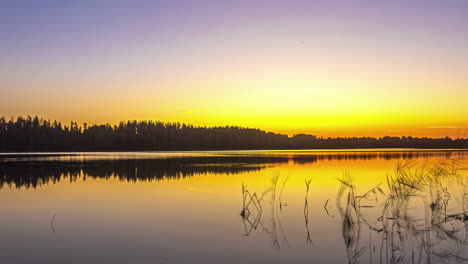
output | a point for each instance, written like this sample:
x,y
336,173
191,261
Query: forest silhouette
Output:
x,y
38,134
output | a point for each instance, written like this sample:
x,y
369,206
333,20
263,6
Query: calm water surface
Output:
x,y
235,207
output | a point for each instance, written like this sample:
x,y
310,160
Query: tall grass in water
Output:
x,y
253,213
420,215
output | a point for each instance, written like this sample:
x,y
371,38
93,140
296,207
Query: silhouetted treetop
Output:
x,y
39,134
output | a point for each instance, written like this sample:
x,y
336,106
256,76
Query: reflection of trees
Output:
x,y
37,170
36,173
390,155
422,219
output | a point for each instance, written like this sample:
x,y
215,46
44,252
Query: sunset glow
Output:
x,y
330,68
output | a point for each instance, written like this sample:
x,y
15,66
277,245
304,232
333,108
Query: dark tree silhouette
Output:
x,y
38,134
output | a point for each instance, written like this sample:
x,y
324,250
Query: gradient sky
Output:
x,y
349,68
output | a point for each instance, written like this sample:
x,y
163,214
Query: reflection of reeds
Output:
x,y
247,200
350,224
280,198
306,211
276,202
252,203
325,207
419,216
413,230
52,223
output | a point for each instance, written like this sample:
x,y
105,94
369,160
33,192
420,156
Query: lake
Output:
x,y
347,206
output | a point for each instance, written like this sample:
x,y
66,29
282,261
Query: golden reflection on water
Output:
x,y
190,212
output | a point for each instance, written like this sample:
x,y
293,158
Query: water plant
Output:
x,y
422,218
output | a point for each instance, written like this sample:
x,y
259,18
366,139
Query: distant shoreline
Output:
x,y
35,134
249,151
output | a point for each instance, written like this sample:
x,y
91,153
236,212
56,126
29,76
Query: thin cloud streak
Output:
x,y
452,127
193,111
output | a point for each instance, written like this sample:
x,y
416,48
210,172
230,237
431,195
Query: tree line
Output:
x,y
39,134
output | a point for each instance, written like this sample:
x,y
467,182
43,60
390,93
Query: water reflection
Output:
x,y
306,211
419,215
238,207
32,174
253,211
423,217
34,170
